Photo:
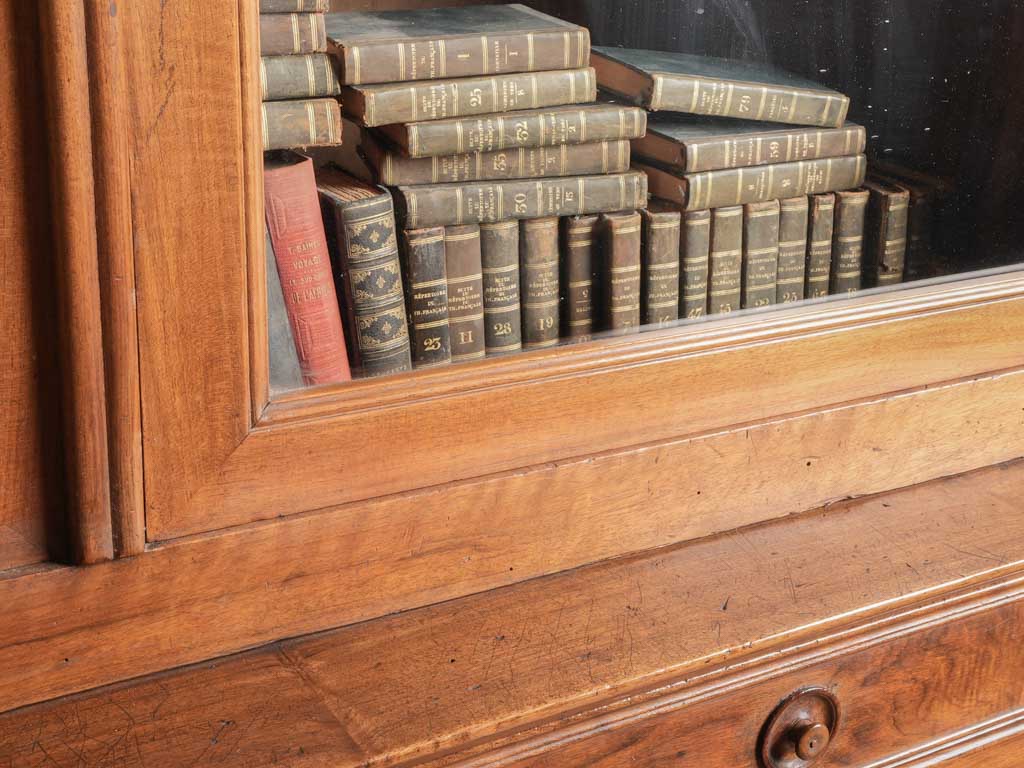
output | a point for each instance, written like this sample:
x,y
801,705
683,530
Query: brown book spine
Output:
x,y
694,255
431,205
295,6
538,260
621,266
659,281
519,130
426,296
535,163
924,194
885,233
464,56
291,33
465,292
760,253
434,100
725,266
580,244
499,254
820,221
848,242
792,250
310,123
297,77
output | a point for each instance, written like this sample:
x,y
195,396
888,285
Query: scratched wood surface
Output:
x,y
524,663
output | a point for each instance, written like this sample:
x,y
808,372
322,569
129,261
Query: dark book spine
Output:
x,y
377,105
538,261
792,250
297,77
521,130
885,232
694,254
368,273
465,292
285,371
291,33
309,123
426,296
725,266
464,56
760,254
295,6
659,282
621,266
771,147
499,254
580,243
820,220
432,205
534,163
848,242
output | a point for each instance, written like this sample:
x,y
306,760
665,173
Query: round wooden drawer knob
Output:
x,y
800,730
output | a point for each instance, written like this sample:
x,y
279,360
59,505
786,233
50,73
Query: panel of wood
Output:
x,y
994,743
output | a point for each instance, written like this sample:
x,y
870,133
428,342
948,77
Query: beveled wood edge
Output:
x,y
865,309
987,733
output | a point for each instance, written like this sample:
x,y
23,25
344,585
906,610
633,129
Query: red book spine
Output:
x,y
300,245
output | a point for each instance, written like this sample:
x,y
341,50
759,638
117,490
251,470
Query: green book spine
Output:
x,y
885,232
792,249
820,217
694,252
499,254
726,260
621,263
465,292
580,291
660,269
426,296
538,262
760,253
848,242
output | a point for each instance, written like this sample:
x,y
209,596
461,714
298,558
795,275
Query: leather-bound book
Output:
x,y
725,266
659,276
283,34
295,6
465,292
360,222
374,105
702,85
918,263
792,249
848,241
760,253
696,143
285,371
820,226
739,186
586,123
297,77
429,205
621,267
439,43
694,255
308,123
539,279
300,247
426,296
581,239
499,257
885,233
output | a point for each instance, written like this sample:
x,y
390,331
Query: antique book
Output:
x,y
499,258
919,262
387,103
792,249
885,233
538,260
308,123
465,292
360,223
429,205
725,264
290,33
694,255
300,247
848,241
297,77
285,371
659,275
696,143
760,253
439,43
738,186
820,225
426,296
621,268
583,124
581,237
295,6
534,163
703,85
